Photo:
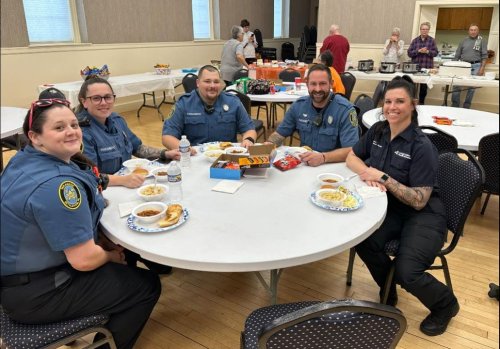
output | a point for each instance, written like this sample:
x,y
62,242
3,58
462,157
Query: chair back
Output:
x,y
244,99
459,184
287,51
443,141
313,35
349,81
258,37
364,103
288,75
53,335
379,92
488,158
189,82
242,73
335,324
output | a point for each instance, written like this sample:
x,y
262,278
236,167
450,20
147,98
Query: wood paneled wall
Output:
x,y
131,21
258,12
14,32
367,22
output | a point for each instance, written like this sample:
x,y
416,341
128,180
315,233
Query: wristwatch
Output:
x,y
250,139
384,178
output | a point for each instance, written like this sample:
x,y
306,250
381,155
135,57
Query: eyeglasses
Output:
x,y
44,103
98,99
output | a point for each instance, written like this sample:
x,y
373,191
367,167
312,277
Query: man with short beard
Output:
x,y
208,115
326,122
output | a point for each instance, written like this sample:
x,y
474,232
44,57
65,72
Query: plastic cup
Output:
x,y
298,81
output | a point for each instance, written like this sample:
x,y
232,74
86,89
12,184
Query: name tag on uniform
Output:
x,y
193,113
403,155
105,149
376,144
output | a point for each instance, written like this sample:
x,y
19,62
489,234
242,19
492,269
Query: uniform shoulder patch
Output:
x,y
353,117
69,194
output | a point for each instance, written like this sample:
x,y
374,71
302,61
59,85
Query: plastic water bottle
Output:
x,y
185,150
174,175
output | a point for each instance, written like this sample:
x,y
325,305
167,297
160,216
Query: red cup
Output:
x,y
298,81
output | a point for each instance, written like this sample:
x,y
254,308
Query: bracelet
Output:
x,y
163,155
250,139
324,158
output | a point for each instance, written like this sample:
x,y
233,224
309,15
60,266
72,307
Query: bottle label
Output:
x,y
184,149
175,178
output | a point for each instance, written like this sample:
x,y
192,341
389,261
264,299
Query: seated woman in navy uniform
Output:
x,y
208,115
397,157
107,140
54,264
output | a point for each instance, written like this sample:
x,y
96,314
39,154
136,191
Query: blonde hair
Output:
x,y
396,30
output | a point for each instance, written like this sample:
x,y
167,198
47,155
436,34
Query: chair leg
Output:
x,y
485,203
446,272
350,266
388,283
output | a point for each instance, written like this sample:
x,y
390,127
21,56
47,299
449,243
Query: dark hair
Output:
x,y
327,58
83,90
244,23
320,67
406,83
50,93
208,67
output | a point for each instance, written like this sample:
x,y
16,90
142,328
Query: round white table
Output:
x,y
268,224
467,136
12,119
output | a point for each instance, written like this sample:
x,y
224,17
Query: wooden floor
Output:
x,y
208,310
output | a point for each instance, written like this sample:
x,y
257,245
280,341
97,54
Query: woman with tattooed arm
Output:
x,y
397,157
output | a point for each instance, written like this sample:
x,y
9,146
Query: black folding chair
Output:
x,y
189,82
443,141
349,81
54,335
242,73
314,325
364,103
258,124
488,158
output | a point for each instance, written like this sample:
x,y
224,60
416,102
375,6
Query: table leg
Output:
x,y
272,287
145,105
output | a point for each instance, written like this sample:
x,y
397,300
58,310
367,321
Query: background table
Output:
x,y
12,119
272,73
128,85
467,137
268,224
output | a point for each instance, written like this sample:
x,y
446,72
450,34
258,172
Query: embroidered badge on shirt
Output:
x,y
353,117
330,119
69,194
225,107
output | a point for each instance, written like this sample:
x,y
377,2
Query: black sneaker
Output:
x,y
435,324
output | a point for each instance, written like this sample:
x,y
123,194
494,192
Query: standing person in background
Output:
x,y
393,48
422,51
249,42
232,55
338,46
473,50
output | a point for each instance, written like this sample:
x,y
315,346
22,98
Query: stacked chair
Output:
x,y
307,47
268,53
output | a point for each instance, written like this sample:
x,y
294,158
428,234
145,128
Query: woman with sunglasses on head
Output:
x,y
397,157
54,263
107,140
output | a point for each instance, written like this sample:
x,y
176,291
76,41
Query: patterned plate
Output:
x,y
356,196
133,224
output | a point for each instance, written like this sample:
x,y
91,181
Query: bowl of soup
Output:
x,y
330,197
332,180
149,212
160,174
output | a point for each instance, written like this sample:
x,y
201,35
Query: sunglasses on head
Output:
x,y
44,103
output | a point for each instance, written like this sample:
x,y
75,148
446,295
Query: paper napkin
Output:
x,y
463,123
369,192
227,186
125,208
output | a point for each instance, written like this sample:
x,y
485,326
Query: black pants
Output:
x,y
421,237
127,294
422,93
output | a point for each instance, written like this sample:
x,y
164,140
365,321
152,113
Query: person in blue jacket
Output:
x,y
107,139
54,264
326,122
208,115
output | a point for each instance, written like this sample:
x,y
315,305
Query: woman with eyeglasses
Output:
x,y
54,264
107,139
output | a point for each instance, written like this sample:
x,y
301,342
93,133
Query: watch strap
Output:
x,y
250,139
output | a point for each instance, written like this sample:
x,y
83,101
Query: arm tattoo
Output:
x,y
276,138
147,152
414,197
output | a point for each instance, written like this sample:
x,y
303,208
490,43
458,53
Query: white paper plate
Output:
x,y
151,166
339,208
133,224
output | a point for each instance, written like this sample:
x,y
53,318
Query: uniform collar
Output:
x,y
408,134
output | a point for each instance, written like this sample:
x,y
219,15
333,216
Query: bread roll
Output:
x,y
173,215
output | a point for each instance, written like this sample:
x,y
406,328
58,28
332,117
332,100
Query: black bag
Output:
x,y
259,87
